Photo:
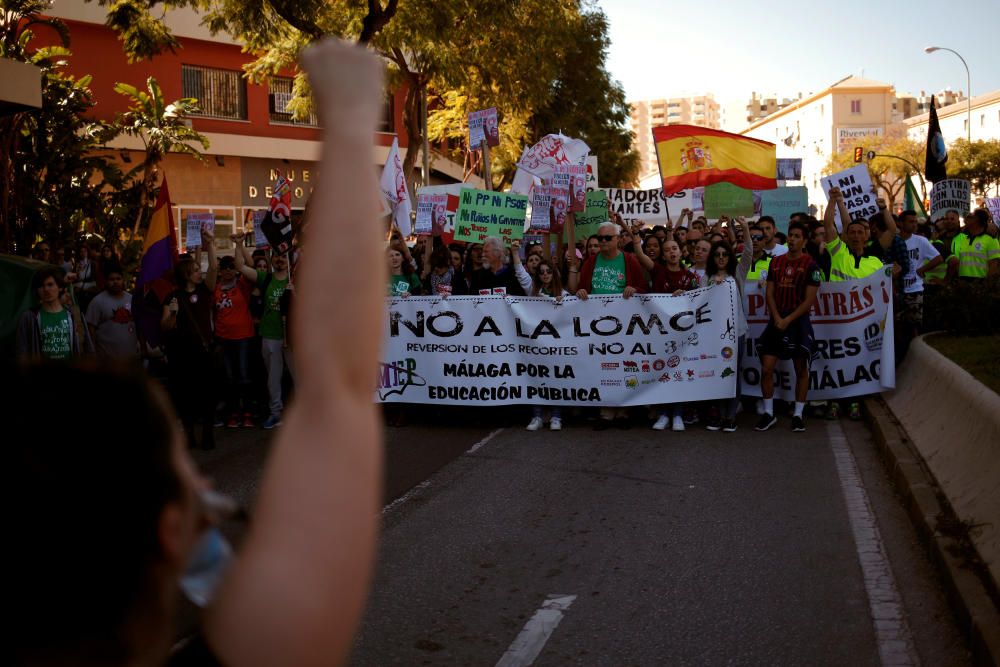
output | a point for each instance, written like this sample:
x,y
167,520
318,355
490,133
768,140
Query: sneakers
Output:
x,y
678,424
534,424
714,424
854,412
759,406
233,422
690,417
765,422
798,424
729,425
219,422
834,411
248,420
661,423
271,422
555,424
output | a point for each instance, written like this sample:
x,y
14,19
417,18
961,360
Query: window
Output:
x,y
855,106
386,123
221,93
279,94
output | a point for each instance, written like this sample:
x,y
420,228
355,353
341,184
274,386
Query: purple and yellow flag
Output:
x,y
692,157
159,249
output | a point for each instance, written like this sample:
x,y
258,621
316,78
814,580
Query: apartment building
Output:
x,y
701,110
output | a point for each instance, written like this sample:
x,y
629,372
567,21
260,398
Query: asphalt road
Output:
x,y
643,548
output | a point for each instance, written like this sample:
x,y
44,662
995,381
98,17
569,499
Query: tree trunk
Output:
x,y
411,120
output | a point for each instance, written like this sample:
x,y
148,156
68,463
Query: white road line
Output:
x,y
892,632
427,482
475,447
530,642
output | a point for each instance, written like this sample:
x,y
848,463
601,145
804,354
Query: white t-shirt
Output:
x,y
777,251
920,251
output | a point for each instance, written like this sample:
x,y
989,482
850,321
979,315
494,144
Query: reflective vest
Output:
x,y
939,272
974,254
759,267
845,266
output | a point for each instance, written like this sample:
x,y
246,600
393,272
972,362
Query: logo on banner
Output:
x,y
727,353
659,365
727,372
395,376
674,361
609,365
631,382
695,156
873,336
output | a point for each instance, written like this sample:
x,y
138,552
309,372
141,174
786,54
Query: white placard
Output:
x,y
859,194
431,209
259,240
196,224
483,126
541,207
951,193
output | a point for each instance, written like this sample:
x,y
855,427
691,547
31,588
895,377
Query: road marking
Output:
x,y
892,632
478,445
427,482
531,640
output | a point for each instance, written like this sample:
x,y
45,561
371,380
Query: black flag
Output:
x,y
937,152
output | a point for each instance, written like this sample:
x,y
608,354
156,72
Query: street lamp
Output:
x,y
968,81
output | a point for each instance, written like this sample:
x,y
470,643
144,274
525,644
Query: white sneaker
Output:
x,y
534,424
678,424
661,423
555,424
760,407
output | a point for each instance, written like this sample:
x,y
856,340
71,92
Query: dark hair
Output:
x,y
258,253
46,272
801,226
983,216
440,257
711,268
766,218
907,212
227,262
112,266
799,214
88,516
183,271
557,286
645,243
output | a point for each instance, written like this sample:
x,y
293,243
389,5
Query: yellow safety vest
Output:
x,y
939,272
974,254
759,267
845,266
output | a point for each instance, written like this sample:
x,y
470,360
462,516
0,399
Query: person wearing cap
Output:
x,y
234,335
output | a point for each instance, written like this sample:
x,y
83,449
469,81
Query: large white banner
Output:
x,y
607,350
853,353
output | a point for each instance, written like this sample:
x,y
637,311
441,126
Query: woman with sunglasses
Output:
x,y
546,282
722,267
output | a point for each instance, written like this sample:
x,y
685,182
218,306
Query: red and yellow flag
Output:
x,y
692,156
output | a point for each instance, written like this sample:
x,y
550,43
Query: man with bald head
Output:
x,y
611,271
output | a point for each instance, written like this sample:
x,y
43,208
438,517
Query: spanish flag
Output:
x,y
692,156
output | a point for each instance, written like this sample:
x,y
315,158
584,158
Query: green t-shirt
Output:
x,y
271,326
56,335
609,275
400,285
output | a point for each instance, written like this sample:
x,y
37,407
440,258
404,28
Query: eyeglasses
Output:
x,y
756,237
722,253
544,272
606,237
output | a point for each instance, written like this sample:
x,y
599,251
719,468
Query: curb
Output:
x,y
978,617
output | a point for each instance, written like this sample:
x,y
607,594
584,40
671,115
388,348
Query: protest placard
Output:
x,y
483,213
993,206
559,207
647,206
541,205
727,199
259,240
789,169
431,209
483,125
196,223
859,193
575,179
780,203
951,193
594,215
591,172
445,228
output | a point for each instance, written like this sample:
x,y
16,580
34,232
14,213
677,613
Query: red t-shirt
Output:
x,y
790,278
666,281
232,311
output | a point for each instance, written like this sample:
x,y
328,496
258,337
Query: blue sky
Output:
x,y
731,47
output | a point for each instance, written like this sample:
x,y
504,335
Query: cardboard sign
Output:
x,y
591,173
483,125
859,194
780,203
541,208
483,213
727,199
196,223
789,169
951,193
559,207
431,209
574,177
993,206
595,215
259,240
445,230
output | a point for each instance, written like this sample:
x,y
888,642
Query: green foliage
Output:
x,y
966,307
978,163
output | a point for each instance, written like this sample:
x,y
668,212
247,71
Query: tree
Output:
x,y
978,163
897,157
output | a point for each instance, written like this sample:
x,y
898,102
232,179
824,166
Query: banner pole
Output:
x,y
487,174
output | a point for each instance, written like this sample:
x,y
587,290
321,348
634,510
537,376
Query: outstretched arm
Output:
x,y
886,237
247,272
831,211
296,593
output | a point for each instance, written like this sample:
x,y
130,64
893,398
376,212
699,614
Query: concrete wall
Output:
x,y
954,421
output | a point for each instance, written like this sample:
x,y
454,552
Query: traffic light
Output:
x,y
859,153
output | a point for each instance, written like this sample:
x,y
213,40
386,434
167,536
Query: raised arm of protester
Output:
x,y
746,257
296,593
247,271
644,260
886,237
523,277
836,199
426,266
208,242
